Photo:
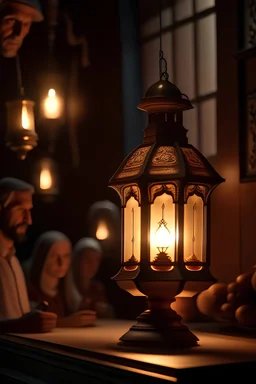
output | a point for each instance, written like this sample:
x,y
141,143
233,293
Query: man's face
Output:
x,y
15,218
14,26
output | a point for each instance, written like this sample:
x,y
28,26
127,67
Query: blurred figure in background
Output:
x,y
104,222
49,280
86,261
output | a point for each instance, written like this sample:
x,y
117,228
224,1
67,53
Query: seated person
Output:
x,y
15,218
48,280
85,265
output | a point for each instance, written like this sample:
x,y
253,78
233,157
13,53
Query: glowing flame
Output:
x,y
51,92
102,232
24,118
52,106
163,239
45,179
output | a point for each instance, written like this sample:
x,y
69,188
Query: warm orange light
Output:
x,y
102,232
25,118
45,179
52,105
162,237
162,226
194,237
132,235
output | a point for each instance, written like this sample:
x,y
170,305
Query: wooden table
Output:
x,y
91,355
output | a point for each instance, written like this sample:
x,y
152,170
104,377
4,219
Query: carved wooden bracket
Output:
x,y
76,41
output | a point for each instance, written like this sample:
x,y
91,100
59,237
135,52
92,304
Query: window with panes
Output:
x,y
189,46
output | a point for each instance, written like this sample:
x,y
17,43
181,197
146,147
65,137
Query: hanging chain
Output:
x,y
19,77
163,74
53,6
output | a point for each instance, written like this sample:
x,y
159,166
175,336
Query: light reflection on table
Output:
x,y
213,349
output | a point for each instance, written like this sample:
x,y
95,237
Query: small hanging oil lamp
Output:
x,y
21,136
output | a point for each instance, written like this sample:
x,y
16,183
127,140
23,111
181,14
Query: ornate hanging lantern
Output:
x,y
164,186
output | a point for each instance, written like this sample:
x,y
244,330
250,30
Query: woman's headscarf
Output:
x,y
86,243
41,250
81,245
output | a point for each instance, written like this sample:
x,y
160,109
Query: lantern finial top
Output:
x,y
163,88
164,96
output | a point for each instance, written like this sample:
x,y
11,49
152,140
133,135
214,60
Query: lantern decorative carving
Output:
x,y
164,186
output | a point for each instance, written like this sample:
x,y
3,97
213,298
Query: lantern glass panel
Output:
x,y
194,232
20,116
162,229
132,227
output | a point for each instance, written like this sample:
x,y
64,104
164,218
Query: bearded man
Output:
x,y
15,218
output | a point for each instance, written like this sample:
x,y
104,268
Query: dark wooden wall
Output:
x,y
99,132
233,202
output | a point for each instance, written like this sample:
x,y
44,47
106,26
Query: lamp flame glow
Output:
x,y
162,238
162,235
102,232
45,179
24,118
52,105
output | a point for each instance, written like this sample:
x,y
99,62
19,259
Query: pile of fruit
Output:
x,y
233,303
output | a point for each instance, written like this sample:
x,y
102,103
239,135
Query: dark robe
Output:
x,y
95,294
56,304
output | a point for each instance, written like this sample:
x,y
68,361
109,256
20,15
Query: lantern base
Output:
x,y
159,329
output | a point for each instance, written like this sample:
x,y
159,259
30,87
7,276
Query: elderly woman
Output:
x,y
50,280
86,262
